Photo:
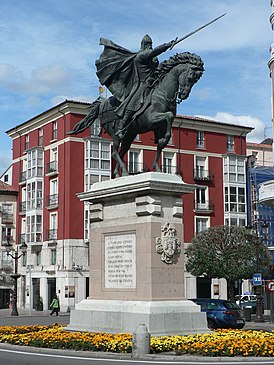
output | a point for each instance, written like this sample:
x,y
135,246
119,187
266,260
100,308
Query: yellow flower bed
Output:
x,y
217,343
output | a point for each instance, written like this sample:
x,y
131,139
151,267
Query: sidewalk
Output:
x,y
27,313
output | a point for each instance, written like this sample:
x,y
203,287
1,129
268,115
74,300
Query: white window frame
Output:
x,y
169,162
200,139
202,219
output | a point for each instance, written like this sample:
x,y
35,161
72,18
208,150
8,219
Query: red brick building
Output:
x,y
51,167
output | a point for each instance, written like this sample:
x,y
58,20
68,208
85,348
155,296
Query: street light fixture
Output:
x,y
23,247
258,288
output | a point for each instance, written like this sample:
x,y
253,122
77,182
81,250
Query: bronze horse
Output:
x,y
175,78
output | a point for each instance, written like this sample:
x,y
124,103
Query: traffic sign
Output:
x,y
257,279
270,286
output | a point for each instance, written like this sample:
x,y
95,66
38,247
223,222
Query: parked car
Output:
x,y
247,301
221,313
252,304
245,298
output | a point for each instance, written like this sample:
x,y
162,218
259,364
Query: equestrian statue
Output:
x,y
145,94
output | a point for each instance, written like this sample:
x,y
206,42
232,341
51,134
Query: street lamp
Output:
x,y
258,288
23,247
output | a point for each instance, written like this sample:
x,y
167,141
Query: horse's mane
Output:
x,y
179,58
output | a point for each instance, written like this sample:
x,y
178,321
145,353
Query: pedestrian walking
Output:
x,y
55,306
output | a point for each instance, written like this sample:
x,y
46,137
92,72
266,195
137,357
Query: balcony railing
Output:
x,y
23,176
136,167
203,207
202,175
52,167
7,218
52,200
22,207
7,239
51,234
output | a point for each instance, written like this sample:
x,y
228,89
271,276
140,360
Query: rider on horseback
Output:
x,y
129,76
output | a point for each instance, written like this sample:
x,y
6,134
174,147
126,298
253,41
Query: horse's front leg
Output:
x,y
162,142
155,165
169,119
117,158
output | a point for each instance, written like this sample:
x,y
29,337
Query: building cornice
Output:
x,y
208,125
82,108
64,108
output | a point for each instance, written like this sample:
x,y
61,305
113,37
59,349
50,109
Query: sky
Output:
x,y
49,48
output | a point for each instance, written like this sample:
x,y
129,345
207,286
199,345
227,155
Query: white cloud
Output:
x,y
258,134
5,161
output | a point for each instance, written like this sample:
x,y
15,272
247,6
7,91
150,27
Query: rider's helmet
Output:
x,y
146,43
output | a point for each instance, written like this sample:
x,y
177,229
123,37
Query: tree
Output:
x,y
227,252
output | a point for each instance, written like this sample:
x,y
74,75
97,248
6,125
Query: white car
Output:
x,y
245,298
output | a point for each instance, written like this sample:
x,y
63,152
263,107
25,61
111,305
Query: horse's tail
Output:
x,y
89,119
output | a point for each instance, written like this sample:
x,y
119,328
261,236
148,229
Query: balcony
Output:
x,y
7,218
203,207
51,234
23,177
202,175
266,193
22,207
7,239
136,167
52,201
52,168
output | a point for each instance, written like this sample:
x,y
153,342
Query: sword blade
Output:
x,y
197,30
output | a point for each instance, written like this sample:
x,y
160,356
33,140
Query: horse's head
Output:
x,y
190,74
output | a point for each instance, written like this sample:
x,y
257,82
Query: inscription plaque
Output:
x,y
120,261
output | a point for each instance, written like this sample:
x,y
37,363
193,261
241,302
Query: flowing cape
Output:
x,y
116,70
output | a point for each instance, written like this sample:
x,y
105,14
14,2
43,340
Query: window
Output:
x,y
97,162
53,226
34,228
53,257
168,166
235,199
230,143
24,260
201,200
200,167
35,163
6,178
7,213
200,139
38,258
54,130
234,169
96,128
27,142
201,224
86,222
35,195
40,137
133,161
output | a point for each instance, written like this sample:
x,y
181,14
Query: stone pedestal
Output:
x,y
136,258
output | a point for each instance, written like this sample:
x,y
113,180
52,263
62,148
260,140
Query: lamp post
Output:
x,y
23,247
258,288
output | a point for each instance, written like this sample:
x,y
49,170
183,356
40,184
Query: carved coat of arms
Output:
x,y
168,245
